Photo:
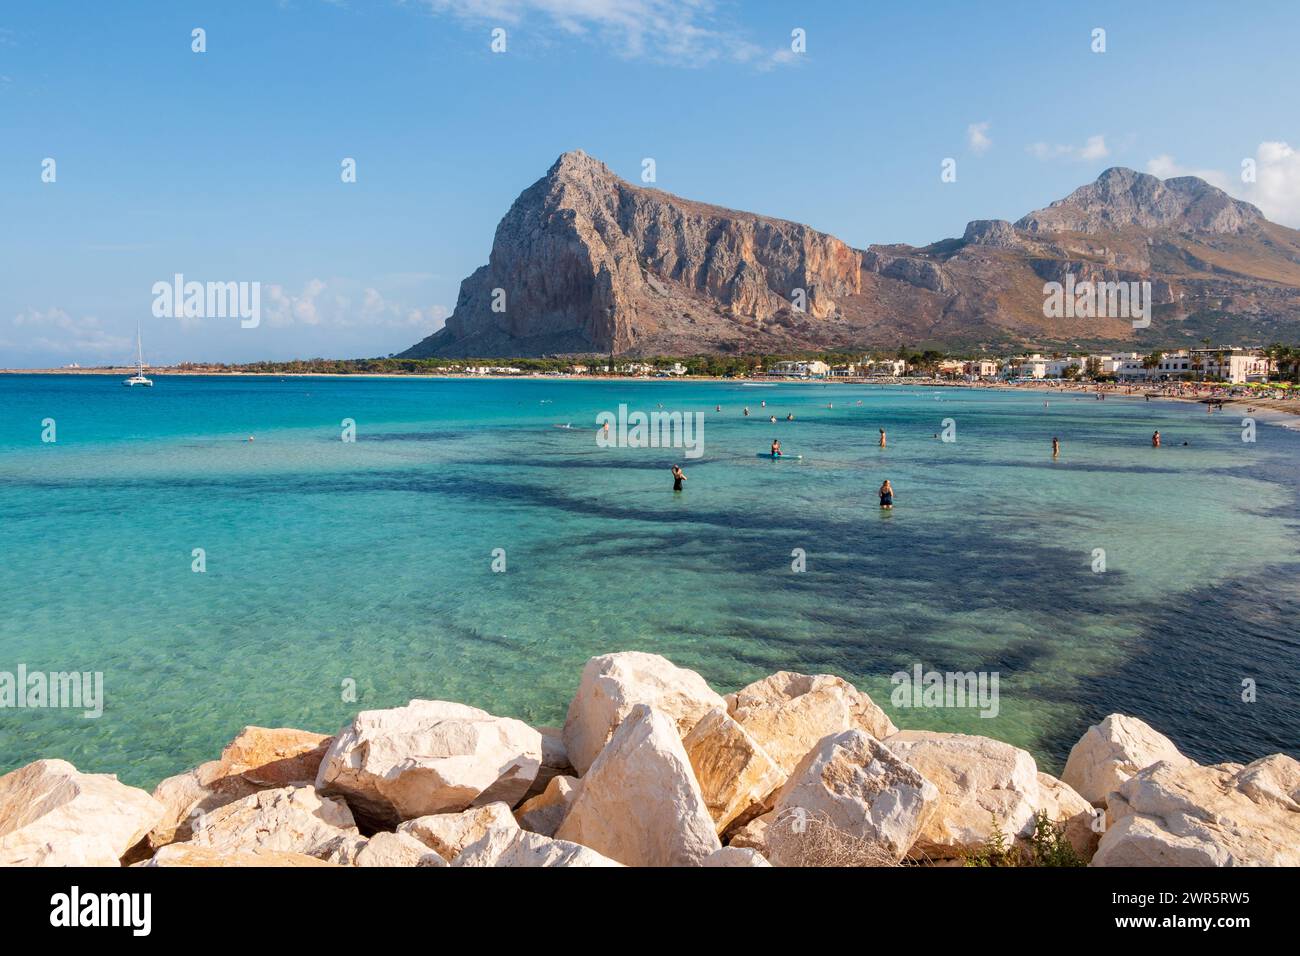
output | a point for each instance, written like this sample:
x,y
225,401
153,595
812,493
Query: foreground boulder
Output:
x,y
789,713
431,756
259,758
525,849
545,812
449,833
613,684
982,783
397,849
1113,751
188,854
850,801
734,772
639,803
735,856
294,819
1182,814
51,814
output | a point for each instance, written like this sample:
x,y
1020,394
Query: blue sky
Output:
x,y
225,165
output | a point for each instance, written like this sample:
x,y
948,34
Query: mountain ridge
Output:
x,y
585,263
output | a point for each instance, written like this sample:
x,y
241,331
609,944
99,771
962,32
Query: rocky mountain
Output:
x,y
586,263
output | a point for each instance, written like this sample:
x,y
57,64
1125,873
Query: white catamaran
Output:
x,y
138,378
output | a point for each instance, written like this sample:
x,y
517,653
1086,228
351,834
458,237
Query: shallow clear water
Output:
x,y
372,560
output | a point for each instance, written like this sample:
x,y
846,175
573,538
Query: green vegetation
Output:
x,y
926,361
1047,846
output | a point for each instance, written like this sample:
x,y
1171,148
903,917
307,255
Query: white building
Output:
x,y
813,369
1233,365
1112,364
981,368
893,367
1029,366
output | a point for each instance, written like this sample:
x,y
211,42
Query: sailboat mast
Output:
x,y
139,351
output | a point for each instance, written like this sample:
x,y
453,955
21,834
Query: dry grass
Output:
x,y
809,839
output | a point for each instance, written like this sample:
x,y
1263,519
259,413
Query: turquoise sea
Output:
x,y
371,561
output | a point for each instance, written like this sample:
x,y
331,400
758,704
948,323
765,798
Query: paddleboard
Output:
x,y
768,454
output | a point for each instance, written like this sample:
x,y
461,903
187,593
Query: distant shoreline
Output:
x,y
1285,409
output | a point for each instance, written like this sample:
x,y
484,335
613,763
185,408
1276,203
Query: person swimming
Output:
x,y
746,411
776,448
772,419
887,496
1155,440
789,418
678,477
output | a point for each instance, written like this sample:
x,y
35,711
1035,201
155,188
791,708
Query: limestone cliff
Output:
x,y
585,262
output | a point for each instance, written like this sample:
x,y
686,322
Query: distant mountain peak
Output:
x,y
1123,198
577,163
584,262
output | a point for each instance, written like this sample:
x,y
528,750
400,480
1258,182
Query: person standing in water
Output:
x,y
887,496
776,448
882,441
1155,440
678,477
746,411
1056,448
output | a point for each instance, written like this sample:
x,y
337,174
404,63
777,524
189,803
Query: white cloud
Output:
x,y
1276,189
55,331
977,137
1165,167
683,32
344,303
1276,186
1093,148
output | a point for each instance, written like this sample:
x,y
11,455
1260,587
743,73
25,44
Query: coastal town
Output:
x,y
1277,366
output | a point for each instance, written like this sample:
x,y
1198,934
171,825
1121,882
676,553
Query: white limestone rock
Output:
x,y
1111,752
788,713
525,849
449,833
850,800
430,756
397,849
613,684
1183,814
51,814
982,783
640,803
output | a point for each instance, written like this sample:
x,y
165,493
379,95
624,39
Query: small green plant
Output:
x,y
996,850
1047,846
